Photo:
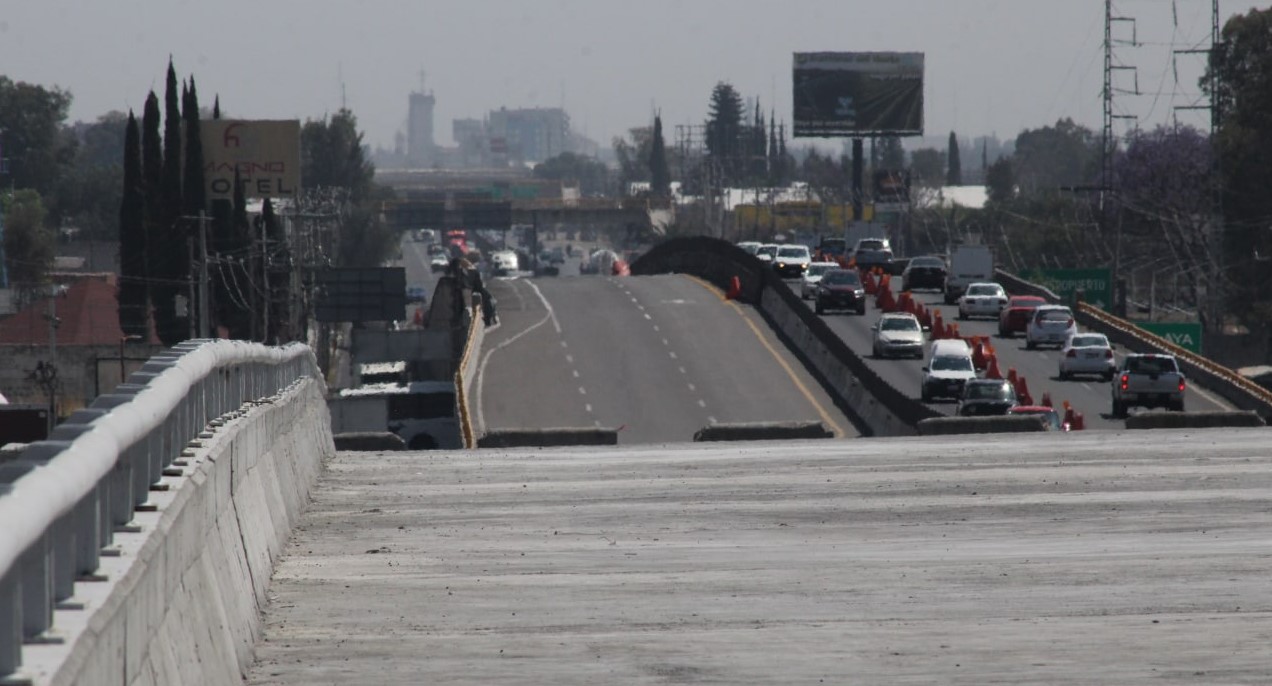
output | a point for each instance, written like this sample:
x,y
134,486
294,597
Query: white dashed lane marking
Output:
x,y
582,391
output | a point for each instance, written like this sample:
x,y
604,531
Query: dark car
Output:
x,y
869,259
924,272
841,289
987,397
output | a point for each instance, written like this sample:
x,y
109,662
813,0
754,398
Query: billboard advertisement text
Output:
x,y
858,94
266,155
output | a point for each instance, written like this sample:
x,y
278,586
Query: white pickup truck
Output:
x,y
1148,381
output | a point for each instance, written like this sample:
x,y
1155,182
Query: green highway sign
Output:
x,y
1095,284
1186,335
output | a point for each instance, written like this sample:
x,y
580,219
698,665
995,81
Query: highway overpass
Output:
x,y
142,543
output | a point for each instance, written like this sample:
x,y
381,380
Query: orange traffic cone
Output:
x,y
1046,399
1069,416
978,355
1022,391
735,288
937,326
868,281
952,331
1078,423
991,370
1011,375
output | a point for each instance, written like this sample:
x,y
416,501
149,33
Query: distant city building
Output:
x,y
531,135
519,136
421,151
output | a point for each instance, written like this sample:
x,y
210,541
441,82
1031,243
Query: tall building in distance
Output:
x,y
421,150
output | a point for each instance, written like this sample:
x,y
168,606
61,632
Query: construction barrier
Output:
x,y
762,431
940,426
368,441
1193,420
544,438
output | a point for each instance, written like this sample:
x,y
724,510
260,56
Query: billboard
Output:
x,y
265,153
353,294
858,94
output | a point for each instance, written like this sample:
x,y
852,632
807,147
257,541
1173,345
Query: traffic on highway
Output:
x,y
1039,344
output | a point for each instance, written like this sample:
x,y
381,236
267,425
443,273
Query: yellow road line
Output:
x,y
830,422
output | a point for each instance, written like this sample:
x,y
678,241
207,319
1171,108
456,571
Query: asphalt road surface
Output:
x,y
657,357
1040,367
1122,558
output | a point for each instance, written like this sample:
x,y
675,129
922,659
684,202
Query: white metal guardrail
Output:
x,y
63,500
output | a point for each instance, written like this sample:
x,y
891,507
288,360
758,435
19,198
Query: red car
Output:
x,y
1015,316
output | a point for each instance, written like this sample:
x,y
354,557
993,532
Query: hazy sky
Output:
x,y
992,66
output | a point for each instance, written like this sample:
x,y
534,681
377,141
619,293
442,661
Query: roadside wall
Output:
x,y
876,408
184,605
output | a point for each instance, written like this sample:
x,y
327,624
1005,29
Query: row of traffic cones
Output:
x,y
984,357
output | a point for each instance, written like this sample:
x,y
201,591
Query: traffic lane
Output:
x,y
622,373
521,374
1041,368
730,357
643,354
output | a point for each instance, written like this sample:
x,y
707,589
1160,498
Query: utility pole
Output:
x,y
267,297
205,326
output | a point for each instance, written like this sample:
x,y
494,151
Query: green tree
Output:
x,y
1241,68
632,154
1053,157
1000,181
170,259
89,189
194,195
891,154
591,175
954,173
927,167
157,239
38,148
659,171
333,156
724,130
28,242
133,307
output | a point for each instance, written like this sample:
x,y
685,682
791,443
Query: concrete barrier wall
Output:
x,y
467,374
181,603
876,408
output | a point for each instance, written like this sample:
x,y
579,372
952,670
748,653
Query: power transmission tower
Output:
x,y
1210,288
1108,143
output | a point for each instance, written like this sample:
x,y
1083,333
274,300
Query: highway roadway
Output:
x,y
1090,396
657,357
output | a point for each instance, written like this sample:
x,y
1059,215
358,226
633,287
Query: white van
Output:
x,y
968,264
949,366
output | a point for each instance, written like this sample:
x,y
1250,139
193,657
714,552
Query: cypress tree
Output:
x,y
132,238
954,174
152,191
194,195
172,255
216,107
659,173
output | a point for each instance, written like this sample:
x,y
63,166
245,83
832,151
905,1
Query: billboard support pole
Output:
x,y
856,179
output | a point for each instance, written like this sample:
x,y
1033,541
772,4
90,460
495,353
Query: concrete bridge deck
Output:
x,y
1117,558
